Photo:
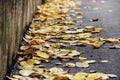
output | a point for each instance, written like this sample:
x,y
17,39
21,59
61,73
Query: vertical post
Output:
x,y
15,15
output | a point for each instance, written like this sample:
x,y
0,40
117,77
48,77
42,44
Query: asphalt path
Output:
x,y
108,14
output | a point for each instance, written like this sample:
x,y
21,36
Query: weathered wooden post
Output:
x,y
15,15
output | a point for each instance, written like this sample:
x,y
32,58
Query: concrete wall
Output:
x,y
15,15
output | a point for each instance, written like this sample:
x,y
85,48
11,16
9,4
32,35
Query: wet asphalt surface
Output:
x,y
110,22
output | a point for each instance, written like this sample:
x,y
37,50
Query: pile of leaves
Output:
x,y
49,32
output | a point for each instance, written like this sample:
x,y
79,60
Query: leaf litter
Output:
x,y
44,40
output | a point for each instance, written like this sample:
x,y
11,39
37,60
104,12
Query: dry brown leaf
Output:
x,y
97,30
114,46
93,19
79,76
57,71
104,61
82,58
26,72
69,65
42,54
83,64
39,70
61,78
74,53
24,47
83,35
29,51
113,40
34,42
91,77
